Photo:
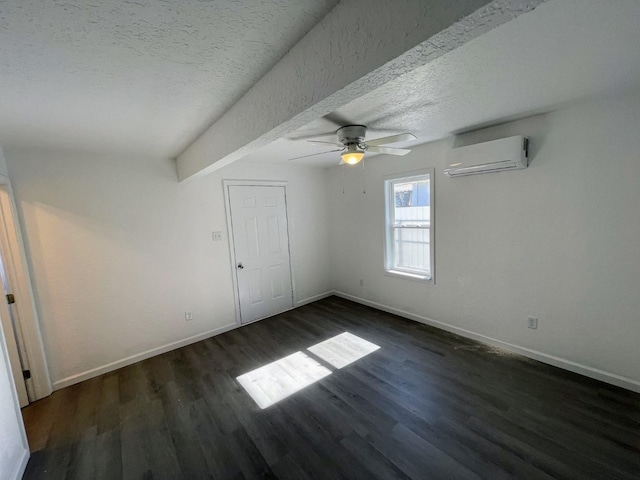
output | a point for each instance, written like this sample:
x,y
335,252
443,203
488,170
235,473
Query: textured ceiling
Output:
x,y
143,76
357,47
564,51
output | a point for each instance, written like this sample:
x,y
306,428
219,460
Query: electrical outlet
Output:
x,y
188,316
217,236
361,282
533,323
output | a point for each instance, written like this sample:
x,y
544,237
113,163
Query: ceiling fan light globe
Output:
x,y
352,158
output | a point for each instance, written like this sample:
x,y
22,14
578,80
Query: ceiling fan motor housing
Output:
x,y
352,134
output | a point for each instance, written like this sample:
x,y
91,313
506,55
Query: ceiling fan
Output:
x,y
353,145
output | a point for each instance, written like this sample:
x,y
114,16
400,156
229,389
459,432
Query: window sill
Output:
x,y
409,276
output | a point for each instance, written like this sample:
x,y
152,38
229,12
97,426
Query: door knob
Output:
x,y
240,266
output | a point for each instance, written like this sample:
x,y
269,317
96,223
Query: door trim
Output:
x,y
17,270
226,183
15,351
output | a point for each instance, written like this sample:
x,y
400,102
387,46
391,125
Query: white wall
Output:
x,y
558,241
120,250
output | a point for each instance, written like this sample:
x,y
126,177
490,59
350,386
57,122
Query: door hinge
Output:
x,y
26,374
11,299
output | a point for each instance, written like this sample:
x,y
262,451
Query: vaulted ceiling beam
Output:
x,y
359,46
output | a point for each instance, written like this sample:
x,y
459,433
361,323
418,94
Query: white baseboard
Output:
x,y
109,367
22,466
315,298
585,370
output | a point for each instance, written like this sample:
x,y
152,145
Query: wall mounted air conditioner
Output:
x,y
509,153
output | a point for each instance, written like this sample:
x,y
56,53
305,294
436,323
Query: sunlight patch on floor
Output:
x,y
343,349
273,382
278,380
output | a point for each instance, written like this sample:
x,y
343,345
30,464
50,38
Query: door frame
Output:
x,y
226,183
18,276
15,348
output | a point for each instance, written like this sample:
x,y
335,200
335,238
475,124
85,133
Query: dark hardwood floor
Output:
x,y
426,405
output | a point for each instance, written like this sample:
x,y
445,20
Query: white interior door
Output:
x,y
261,246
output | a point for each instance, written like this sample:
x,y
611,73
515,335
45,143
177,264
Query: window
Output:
x,y
409,226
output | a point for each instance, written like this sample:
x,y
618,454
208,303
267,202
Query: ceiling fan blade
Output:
x,y
388,150
328,143
337,119
403,137
314,154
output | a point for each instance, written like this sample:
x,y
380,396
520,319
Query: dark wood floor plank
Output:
x,y
213,443
286,468
488,450
108,406
427,404
378,465
84,462
108,456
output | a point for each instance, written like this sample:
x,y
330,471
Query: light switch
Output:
x,y
217,236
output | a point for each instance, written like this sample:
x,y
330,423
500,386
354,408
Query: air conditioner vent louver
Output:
x,y
495,156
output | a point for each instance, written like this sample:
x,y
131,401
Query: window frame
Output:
x,y
389,219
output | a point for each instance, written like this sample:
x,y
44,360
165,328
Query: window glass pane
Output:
x,y
412,203
412,194
411,249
